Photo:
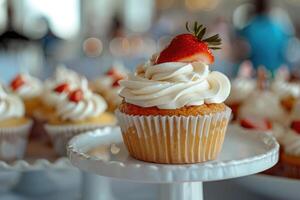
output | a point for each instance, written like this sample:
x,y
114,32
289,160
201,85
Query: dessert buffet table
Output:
x,y
102,152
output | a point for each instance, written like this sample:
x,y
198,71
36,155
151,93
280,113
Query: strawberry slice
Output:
x,y
117,78
76,96
17,82
256,123
190,47
296,126
64,87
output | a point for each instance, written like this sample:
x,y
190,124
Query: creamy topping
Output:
x,y
286,89
104,84
32,87
174,85
91,105
263,104
241,89
10,105
61,75
291,143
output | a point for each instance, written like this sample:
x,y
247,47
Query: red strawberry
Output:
x,y
76,95
111,72
64,87
255,123
17,82
296,126
190,47
117,79
186,48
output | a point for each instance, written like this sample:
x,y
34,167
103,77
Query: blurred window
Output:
x,y
61,16
138,14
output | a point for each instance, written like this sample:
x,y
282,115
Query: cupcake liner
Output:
x,y
61,134
174,139
13,141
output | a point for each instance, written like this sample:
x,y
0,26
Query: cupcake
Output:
x,y
262,109
14,126
57,87
172,110
108,86
290,143
241,88
29,89
81,111
287,91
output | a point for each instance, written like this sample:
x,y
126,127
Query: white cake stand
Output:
x,y
102,152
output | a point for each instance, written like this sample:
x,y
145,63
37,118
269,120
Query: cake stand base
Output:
x,y
181,191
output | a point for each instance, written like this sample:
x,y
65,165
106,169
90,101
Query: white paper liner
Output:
x,y
13,141
61,134
174,139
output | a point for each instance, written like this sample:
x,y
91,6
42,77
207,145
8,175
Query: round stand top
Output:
x,y
102,152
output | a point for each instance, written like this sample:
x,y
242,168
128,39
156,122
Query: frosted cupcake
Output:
x,y
172,110
108,86
262,109
241,88
81,111
29,89
14,126
287,91
57,88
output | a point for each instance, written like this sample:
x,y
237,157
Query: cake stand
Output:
x,y
102,152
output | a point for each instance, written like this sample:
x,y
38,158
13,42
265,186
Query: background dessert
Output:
x,y
81,111
14,126
29,89
107,85
241,87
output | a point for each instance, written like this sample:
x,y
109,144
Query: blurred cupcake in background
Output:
x,y
108,86
29,89
290,143
287,91
57,88
81,110
262,109
241,87
14,126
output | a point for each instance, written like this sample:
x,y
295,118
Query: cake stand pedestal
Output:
x,y
102,152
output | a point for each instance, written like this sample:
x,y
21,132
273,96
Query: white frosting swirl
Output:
x,y
263,104
61,75
32,87
291,143
174,85
285,89
241,88
10,105
91,105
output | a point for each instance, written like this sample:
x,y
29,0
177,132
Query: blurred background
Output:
x,y
90,36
